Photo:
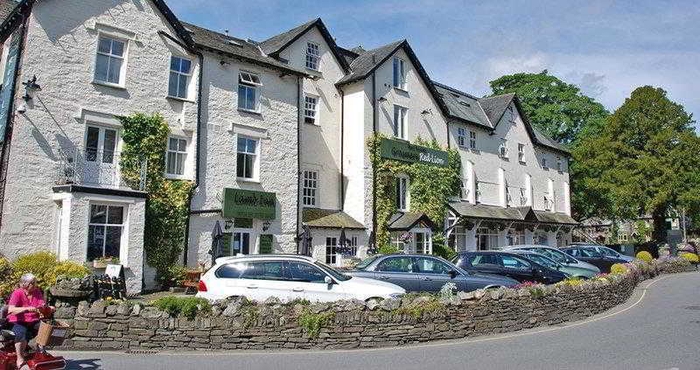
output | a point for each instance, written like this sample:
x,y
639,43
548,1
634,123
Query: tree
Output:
x,y
557,108
644,161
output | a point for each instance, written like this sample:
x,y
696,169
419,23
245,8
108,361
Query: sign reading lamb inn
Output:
x,y
239,203
406,152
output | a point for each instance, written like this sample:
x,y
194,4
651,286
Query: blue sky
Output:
x,y
607,48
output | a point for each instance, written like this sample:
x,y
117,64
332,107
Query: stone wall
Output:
x,y
238,324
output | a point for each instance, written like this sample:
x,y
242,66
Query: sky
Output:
x,y
607,48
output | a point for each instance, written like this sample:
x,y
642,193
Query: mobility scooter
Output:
x,y
36,360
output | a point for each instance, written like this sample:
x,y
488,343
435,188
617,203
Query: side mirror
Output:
x,y
452,274
328,280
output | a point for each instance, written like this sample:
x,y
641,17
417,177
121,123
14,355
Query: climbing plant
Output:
x,y
430,188
145,141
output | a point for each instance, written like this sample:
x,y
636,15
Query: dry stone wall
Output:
x,y
238,324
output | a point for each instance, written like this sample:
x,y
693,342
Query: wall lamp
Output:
x,y
266,225
381,99
29,88
427,111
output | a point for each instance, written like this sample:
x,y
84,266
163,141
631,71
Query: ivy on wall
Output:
x,y
145,139
430,188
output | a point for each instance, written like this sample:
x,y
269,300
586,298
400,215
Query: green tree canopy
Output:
x,y
644,160
557,108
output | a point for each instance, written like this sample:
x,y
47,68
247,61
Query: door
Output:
x,y
331,251
101,165
261,280
241,242
399,270
422,241
517,268
309,282
433,274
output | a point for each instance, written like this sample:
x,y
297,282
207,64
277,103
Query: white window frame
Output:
x,y
249,80
256,159
310,188
503,149
400,122
332,257
401,82
353,244
124,58
472,140
521,152
311,109
124,237
491,237
461,136
179,73
100,150
313,59
403,194
177,151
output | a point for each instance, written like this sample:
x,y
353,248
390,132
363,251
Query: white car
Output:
x,y
287,277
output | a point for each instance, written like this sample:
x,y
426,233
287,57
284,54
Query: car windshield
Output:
x,y
333,272
366,262
542,260
608,252
553,254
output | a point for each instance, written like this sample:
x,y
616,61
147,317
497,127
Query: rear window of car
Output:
x,y
589,252
484,259
268,270
512,262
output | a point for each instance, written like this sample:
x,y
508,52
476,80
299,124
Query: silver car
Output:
x,y
556,255
605,251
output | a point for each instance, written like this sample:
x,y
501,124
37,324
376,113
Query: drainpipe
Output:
x,y
298,207
196,157
342,149
374,167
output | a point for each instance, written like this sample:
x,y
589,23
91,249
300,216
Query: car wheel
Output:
x,y
493,287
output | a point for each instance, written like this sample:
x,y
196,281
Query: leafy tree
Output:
x,y
557,108
645,160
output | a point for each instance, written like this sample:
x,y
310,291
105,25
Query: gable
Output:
x,y
294,55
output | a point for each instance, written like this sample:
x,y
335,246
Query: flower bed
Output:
x,y
240,324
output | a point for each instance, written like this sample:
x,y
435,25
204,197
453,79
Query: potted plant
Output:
x,y
102,262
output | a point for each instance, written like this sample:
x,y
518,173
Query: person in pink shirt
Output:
x,y
23,313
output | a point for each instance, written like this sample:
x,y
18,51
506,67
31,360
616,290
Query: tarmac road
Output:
x,y
657,329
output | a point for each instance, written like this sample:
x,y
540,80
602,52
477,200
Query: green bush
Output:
x,y
44,265
645,256
690,257
185,306
174,276
313,322
618,269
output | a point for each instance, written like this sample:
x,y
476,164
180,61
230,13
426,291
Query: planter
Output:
x,y
102,264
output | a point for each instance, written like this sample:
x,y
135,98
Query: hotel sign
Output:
x,y
239,203
406,152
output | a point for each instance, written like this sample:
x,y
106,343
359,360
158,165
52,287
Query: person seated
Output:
x,y
24,315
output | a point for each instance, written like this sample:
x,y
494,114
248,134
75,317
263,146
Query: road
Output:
x,y
658,328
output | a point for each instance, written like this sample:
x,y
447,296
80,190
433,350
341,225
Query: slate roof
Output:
x,y
368,61
462,106
232,46
6,7
496,106
555,218
404,221
527,214
329,218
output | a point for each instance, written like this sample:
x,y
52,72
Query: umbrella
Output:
x,y
372,243
343,242
305,237
216,236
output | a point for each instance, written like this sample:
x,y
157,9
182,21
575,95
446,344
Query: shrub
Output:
x,y
69,270
7,281
618,269
313,322
571,281
690,257
185,306
644,256
174,276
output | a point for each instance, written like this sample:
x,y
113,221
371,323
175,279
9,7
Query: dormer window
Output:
x,y
521,153
313,56
400,74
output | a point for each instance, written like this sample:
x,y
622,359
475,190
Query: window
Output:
x,y
472,140
464,189
396,264
477,192
515,237
309,189
180,71
248,96
110,60
105,231
486,239
400,129
544,163
515,263
511,115
306,273
402,193
485,259
400,73
247,158
310,109
521,153
100,144
241,242
176,156
272,270
503,149
352,243
312,56
461,136
331,250
559,165
432,266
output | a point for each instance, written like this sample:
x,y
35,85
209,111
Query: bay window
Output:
x,y
105,229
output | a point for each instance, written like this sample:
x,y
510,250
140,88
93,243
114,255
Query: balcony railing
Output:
x,y
99,168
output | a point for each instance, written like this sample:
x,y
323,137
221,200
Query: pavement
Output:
x,y
658,328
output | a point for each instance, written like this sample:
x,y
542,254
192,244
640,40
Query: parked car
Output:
x,y
508,264
423,273
594,256
606,251
543,260
288,277
576,267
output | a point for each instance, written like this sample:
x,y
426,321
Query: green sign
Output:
x,y
406,152
266,244
239,203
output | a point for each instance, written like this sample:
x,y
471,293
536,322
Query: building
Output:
x,y
273,135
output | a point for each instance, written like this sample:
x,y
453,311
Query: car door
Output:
x,y
309,282
433,274
592,256
488,263
260,280
399,270
517,268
